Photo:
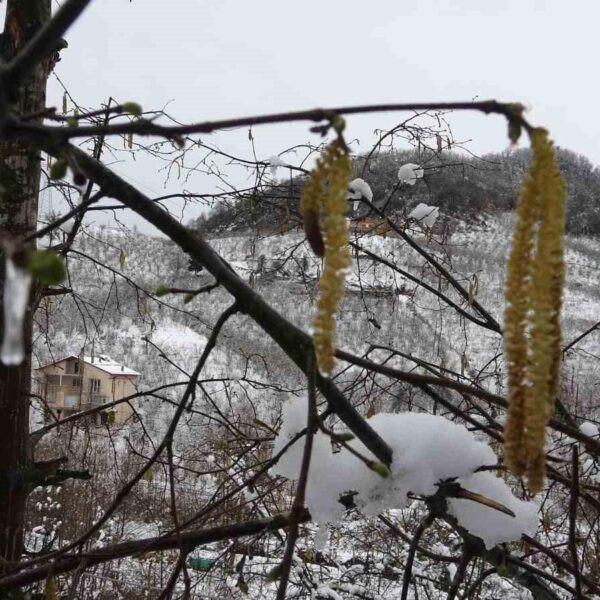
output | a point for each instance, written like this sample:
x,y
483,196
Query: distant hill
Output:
x,y
113,305
461,186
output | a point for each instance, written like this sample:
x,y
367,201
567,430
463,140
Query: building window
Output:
x,y
76,367
95,385
71,401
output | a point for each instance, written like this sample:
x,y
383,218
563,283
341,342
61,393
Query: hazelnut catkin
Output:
x,y
535,277
324,207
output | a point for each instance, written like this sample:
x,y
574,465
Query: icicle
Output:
x,y
16,295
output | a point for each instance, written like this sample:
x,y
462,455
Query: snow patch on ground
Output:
x,y
177,336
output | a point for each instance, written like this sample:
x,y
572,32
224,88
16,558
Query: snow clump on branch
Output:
x,y
274,163
590,429
425,214
358,189
427,450
409,173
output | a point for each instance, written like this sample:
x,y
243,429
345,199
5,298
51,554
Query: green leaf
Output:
x,y
122,259
381,469
58,170
338,123
134,108
274,574
502,570
515,114
47,267
514,131
64,103
345,437
162,290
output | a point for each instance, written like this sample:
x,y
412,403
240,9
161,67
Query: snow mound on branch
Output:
x,y
424,214
359,188
589,429
492,526
274,163
409,173
427,449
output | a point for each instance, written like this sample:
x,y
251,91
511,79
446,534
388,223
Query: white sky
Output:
x,y
225,58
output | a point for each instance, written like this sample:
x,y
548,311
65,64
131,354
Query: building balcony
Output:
x,y
93,401
75,402
64,380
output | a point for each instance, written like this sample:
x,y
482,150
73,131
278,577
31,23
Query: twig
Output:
x,y
573,518
297,511
64,218
417,379
191,539
412,550
490,322
581,336
460,574
146,127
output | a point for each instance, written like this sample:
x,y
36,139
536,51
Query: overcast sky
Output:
x,y
228,58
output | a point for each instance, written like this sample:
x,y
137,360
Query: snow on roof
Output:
x,y
100,361
106,363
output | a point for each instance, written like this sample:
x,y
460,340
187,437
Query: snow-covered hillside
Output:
x,y
229,427
115,310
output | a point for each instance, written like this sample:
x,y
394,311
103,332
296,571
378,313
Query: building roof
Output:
x,y
100,361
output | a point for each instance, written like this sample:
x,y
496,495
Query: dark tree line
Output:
x,y
462,186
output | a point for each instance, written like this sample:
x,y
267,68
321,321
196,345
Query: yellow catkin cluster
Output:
x,y
535,277
324,207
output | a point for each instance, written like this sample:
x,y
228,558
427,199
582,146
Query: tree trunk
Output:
x,y
20,170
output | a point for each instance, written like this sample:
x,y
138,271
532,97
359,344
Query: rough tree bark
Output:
x,y
20,168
